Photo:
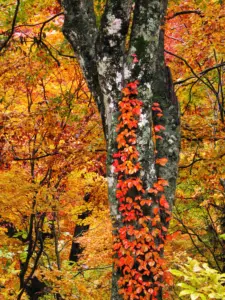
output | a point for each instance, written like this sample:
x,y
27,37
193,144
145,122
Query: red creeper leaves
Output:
x,y
158,128
137,247
161,161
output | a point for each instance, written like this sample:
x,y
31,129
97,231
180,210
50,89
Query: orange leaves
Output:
x,y
155,210
131,88
163,202
129,183
163,182
173,236
126,91
158,186
158,128
131,168
121,140
138,184
136,253
161,161
133,85
127,261
116,246
156,108
168,278
153,191
146,202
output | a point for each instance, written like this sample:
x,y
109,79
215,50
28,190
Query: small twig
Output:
x,y
92,269
191,164
190,97
35,158
36,24
50,53
189,66
47,21
185,12
201,73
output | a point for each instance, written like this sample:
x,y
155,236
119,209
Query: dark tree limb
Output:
x,y
4,44
191,164
190,68
36,157
76,248
185,12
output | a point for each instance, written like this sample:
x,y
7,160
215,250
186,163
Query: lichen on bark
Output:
x,y
108,65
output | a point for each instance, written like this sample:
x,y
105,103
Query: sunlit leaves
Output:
x,y
52,154
199,281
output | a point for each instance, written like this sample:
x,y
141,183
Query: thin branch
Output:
x,y
4,44
36,24
92,269
185,12
212,68
200,74
59,52
190,97
196,151
191,164
50,53
35,158
189,66
190,236
49,20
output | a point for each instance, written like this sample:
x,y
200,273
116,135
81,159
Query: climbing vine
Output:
x,y
139,242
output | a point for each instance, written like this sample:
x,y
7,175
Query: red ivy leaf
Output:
x,y
159,127
159,115
163,202
161,161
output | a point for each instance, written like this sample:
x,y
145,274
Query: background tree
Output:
x,y
47,163
195,53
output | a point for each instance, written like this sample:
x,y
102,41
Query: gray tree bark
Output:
x,y
106,56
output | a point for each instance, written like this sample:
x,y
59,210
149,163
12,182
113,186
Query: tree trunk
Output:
x,y
123,63
79,230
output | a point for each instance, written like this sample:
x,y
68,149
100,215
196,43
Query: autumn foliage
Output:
x,y
52,155
138,249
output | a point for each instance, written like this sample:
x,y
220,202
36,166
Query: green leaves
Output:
x,y
200,281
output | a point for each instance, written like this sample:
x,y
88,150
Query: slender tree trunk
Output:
x,y
79,230
123,62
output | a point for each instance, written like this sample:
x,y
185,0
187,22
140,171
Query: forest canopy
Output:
x,y
98,103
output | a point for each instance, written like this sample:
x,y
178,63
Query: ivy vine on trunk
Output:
x,y
123,63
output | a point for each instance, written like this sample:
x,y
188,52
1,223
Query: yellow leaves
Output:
x,y
47,108
16,193
9,270
132,168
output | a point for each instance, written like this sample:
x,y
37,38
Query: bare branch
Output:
x,y
37,24
4,44
35,158
47,21
198,76
185,12
191,164
212,68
